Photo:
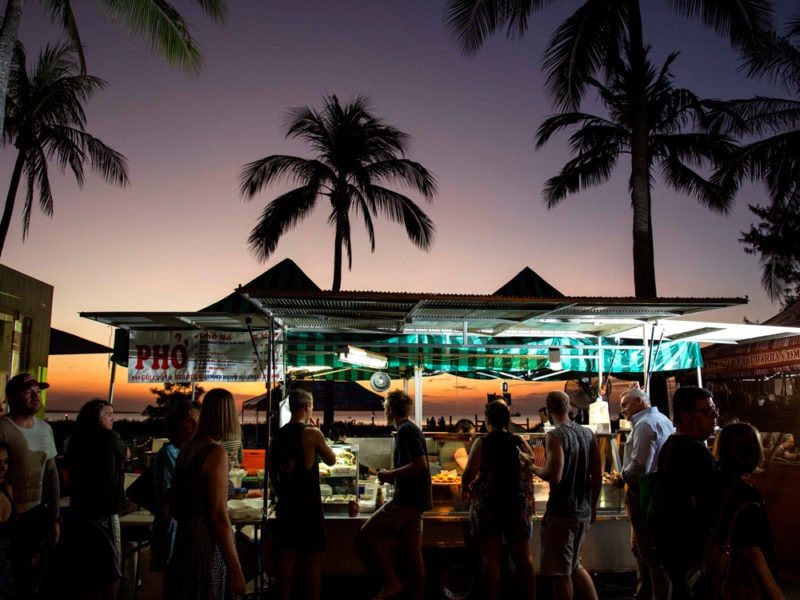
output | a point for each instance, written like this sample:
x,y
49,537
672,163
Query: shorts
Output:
x,y
391,520
301,533
96,546
562,540
508,525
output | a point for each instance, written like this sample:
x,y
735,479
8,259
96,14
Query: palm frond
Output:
x,y
737,20
279,216
582,172
471,22
581,46
271,169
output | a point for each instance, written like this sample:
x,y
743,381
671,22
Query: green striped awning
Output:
x,y
515,356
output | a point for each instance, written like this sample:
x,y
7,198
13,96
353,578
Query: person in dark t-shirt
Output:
x,y
295,475
401,518
682,519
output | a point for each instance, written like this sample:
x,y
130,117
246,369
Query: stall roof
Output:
x,y
421,313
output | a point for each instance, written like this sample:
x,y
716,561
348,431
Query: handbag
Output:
x,y
723,573
142,490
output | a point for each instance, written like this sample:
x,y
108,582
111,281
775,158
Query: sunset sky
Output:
x,y
175,239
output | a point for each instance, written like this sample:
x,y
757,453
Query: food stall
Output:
x,y
309,333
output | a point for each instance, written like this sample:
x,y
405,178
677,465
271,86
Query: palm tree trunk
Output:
x,y
644,275
337,261
13,186
8,37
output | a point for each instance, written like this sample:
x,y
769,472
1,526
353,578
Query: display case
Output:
x,y
338,483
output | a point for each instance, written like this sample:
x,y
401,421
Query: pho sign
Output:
x,y
192,355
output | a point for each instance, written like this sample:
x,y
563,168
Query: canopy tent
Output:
x,y
63,342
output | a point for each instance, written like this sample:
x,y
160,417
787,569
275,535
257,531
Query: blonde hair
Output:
x,y
218,417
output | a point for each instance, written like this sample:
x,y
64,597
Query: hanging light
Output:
x,y
555,359
362,358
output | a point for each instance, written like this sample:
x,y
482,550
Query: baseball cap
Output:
x,y
19,383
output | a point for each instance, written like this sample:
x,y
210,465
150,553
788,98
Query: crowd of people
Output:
x,y
677,492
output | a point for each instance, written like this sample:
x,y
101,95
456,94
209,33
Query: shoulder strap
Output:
x,y
728,532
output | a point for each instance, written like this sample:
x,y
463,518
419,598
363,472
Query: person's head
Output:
x,y
497,415
298,399
694,412
465,426
338,432
738,449
557,403
5,459
633,401
95,414
182,421
23,394
397,406
218,417
543,414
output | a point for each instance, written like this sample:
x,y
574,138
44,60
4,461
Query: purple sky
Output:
x,y
175,239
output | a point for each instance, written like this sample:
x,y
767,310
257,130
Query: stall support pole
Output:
x,y
418,395
111,381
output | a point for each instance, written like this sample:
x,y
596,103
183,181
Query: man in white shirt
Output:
x,y
649,430
33,474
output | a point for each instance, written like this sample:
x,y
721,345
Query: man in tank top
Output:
x,y
573,468
300,520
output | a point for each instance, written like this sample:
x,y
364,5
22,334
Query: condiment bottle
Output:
x,y
378,497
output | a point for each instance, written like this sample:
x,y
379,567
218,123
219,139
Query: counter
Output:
x,y
607,546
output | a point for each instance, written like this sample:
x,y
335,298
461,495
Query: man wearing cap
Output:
x,y
33,474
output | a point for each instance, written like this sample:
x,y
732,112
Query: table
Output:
x,y
136,528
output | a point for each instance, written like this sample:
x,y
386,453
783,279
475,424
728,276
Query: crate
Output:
x,y
252,460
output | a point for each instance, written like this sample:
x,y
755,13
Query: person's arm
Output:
x,y
553,468
754,556
473,464
215,470
314,444
595,475
417,465
51,495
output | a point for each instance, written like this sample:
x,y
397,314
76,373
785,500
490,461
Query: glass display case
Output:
x,y
338,483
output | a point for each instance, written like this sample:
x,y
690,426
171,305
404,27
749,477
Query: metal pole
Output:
x,y
418,395
111,380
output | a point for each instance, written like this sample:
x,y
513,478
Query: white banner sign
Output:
x,y
192,355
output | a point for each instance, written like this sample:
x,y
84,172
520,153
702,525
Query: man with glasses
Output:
x,y
686,469
33,476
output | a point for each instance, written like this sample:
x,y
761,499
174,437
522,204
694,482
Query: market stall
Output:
x,y
284,335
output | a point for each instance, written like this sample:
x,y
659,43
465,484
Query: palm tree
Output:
x,y
598,142
582,46
774,240
772,155
154,21
45,119
355,153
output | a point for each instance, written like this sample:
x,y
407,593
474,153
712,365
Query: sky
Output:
x,y
176,237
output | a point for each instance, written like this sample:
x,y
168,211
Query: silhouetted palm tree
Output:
x,y
154,21
585,44
771,127
675,148
45,120
355,154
